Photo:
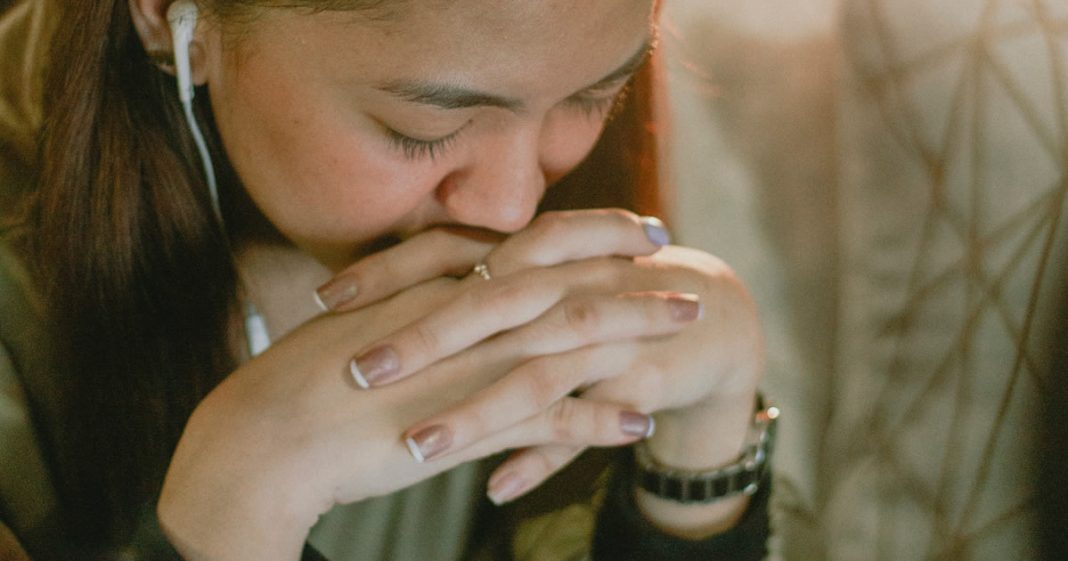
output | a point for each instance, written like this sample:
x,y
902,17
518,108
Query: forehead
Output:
x,y
519,45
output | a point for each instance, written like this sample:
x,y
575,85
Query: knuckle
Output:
x,y
425,339
540,386
562,419
582,316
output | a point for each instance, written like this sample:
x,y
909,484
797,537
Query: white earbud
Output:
x,y
182,18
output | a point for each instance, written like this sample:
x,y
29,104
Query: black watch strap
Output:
x,y
624,534
743,475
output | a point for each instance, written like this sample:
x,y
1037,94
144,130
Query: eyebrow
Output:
x,y
447,96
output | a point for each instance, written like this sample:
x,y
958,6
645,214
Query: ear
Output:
x,y
150,20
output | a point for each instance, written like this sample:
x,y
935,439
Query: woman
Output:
x,y
370,153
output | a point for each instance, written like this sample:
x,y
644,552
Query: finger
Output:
x,y
476,315
570,421
526,392
526,469
586,319
427,255
560,237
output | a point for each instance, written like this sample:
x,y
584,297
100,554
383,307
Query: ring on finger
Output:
x,y
482,270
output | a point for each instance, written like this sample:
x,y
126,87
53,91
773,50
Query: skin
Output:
x,y
303,114
305,105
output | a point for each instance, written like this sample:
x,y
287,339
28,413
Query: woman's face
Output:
x,y
344,128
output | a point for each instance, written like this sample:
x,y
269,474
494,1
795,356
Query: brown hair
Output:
x,y
140,284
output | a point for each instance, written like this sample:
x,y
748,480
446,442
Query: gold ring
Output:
x,y
483,271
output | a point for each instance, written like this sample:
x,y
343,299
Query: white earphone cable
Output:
x,y
205,157
182,17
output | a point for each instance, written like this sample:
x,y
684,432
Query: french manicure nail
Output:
x,y
506,488
429,442
686,307
339,291
656,231
637,424
375,367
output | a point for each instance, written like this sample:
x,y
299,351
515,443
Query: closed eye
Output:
x,y
416,149
600,105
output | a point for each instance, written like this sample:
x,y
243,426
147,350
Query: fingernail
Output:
x,y
339,291
506,488
375,366
656,231
686,307
429,442
637,424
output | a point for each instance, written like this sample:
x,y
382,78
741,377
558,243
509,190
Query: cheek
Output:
x,y
567,139
318,176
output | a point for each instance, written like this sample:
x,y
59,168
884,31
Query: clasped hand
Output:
x,y
586,328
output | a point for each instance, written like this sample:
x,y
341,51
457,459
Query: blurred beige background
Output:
x,y
889,178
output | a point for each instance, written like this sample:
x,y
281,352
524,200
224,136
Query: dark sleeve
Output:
x,y
623,533
311,554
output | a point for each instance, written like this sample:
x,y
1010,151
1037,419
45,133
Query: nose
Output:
x,y
500,187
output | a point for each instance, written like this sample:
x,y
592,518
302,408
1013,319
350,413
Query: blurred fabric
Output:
x,y
889,177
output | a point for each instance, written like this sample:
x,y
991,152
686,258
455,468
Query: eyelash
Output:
x,y
414,149
604,107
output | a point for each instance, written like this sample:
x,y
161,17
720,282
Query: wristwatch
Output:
x,y
743,475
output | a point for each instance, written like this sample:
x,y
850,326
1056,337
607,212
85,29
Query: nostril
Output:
x,y
446,188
